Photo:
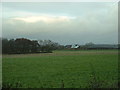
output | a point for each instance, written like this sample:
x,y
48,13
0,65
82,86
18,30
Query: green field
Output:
x,y
62,69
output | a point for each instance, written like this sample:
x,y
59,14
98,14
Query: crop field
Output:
x,y
61,69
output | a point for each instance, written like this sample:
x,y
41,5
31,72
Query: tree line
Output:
x,y
23,45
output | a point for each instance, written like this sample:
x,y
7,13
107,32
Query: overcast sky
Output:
x,y
65,23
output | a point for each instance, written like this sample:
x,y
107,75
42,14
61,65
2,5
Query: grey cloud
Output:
x,y
97,25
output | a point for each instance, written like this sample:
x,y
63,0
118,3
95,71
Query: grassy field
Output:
x,y
62,69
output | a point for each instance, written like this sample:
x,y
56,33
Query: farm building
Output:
x,y
75,46
68,46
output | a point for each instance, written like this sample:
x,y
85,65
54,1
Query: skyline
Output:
x,y
65,23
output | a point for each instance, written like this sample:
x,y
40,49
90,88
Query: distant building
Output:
x,y
68,46
75,46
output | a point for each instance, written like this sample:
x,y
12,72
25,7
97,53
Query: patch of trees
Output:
x,y
23,45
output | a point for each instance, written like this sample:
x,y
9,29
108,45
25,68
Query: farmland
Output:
x,y
62,69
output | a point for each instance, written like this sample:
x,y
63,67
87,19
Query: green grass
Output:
x,y
71,68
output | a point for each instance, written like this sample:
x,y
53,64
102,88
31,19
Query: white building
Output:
x,y
75,46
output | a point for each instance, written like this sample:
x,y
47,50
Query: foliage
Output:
x,y
23,45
